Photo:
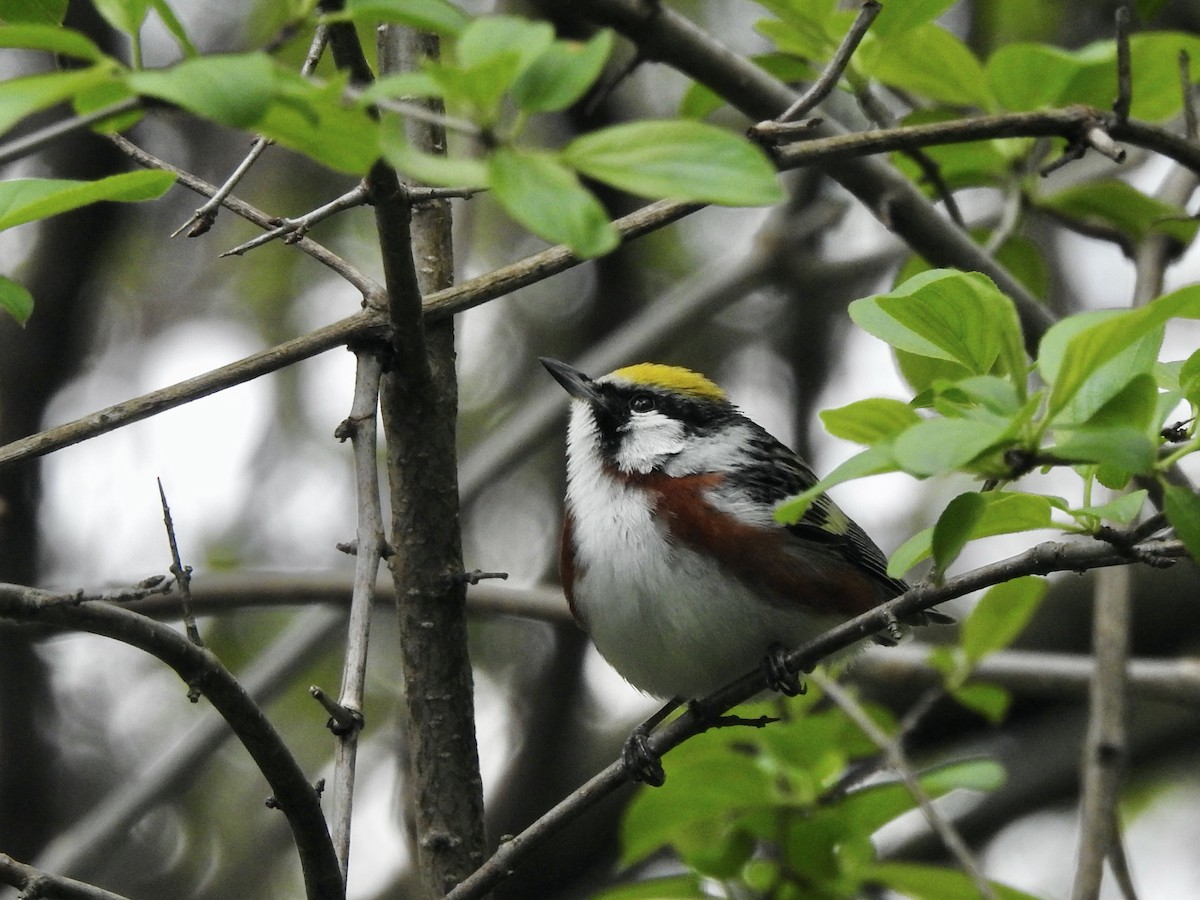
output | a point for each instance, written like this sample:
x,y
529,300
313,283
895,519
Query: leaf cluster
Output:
x,y
1096,401
766,811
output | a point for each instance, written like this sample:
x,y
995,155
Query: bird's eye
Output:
x,y
641,403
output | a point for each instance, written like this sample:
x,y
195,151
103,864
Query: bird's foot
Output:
x,y
779,677
640,761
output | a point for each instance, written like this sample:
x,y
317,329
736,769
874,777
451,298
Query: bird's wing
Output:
x,y
773,473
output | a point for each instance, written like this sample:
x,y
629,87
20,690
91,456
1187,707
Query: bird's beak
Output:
x,y
575,382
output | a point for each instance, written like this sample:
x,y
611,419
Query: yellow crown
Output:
x,y
670,378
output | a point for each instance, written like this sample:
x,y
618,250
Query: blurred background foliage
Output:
x,y
258,486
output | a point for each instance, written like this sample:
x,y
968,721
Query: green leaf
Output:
x,y
1004,512
1032,76
1120,511
901,15
873,806
43,12
1189,379
123,15
1182,507
929,61
1116,204
21,96
400,85
1096,345
954,527
1134,406
1000,616
481,86
313,120
562,74
547,198
26,199
869,421
1108,380
437,16
487,37
808,30
52,39
429,168
924,882
700,793
949,315
677,160
174,26
1126,448
988,700
872,461
942,445
15,300
235,90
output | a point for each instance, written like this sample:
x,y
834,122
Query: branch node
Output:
x,y
343,720
350,548
477,575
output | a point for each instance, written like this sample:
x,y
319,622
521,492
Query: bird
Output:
x,y
671,557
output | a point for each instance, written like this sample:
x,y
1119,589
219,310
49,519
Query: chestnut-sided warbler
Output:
x,y
672,559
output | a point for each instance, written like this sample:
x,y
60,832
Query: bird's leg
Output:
x,y
779,677
642,763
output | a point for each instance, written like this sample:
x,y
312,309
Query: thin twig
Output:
x,y
361,428
183,577
294,229
371,290
898,760
204,217
828,79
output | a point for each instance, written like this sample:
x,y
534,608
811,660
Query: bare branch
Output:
x,y
88,841
361,429
200,668
372,292
1052,675
202,219
294,229
183,577
419,405
43,137
36,883
1106,751
363,324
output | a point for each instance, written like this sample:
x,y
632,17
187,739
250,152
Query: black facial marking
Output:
x,y
620,403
